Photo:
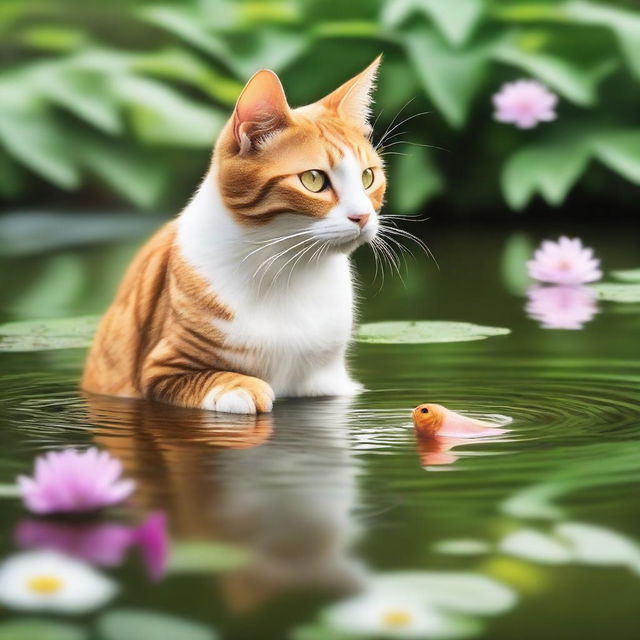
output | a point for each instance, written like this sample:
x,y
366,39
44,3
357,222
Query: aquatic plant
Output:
x,y
525,103
565,262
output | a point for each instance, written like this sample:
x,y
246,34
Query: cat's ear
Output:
x,y
260,110
353,99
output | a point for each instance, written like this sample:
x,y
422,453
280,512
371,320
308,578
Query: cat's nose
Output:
x,y
359,218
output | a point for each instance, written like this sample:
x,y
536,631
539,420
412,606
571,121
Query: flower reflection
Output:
x,y
562,307
419,605
51,581
103,543
74,481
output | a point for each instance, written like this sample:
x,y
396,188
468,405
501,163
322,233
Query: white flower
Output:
x,y
420,605
566,262
50,581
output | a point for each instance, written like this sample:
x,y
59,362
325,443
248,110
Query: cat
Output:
x,y
247,296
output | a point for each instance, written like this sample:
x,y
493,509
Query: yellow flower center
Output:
x,y
45,585
396,618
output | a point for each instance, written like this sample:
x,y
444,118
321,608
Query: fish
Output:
x,y
434,420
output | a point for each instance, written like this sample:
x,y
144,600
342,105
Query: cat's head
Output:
x,y
310,170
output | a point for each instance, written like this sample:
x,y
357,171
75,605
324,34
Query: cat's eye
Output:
x,y
314,180
367,178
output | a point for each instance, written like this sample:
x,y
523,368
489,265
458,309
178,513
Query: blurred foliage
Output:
x,y
127,96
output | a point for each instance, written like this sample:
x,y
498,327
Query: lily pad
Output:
x,y
198,556
133,624
631,275
425,332
29,629
47,335
611,292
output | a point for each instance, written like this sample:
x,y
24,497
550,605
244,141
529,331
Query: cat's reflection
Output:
x,y
281,485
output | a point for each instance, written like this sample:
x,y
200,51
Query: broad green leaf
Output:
x,y
320,632
574,83
40,629
161,115
32,136
9,491
517,251
620,151
624,23
198,556
347,29
551,168
136,624
611,292
271,48
54,38
422,332
631,275
47,335
450,77
135,173
415,179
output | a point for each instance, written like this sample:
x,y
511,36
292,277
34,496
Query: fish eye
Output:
x,y
367,178
424,410
314,180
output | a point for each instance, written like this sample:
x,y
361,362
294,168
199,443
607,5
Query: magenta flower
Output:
x,y
74,481
101,543
564,262
566,307
524,103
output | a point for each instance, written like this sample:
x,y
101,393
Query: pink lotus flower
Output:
x,y
564,262
557,307
103,543
525,103
74,481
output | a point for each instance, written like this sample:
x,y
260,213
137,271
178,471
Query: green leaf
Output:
x,y
39,629
620,151
11,177
9,491
53,38
160,115
320,632
624,23
415,180
449,76
47,335
198,556
551,168
631,275
574,83
135,624
611,292
517,251
425,332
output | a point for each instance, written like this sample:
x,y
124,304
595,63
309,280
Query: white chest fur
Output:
x,y
292,331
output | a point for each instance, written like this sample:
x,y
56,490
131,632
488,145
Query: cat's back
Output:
x,y
134,322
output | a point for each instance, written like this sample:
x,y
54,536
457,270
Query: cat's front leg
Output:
x,y
167,379
329,380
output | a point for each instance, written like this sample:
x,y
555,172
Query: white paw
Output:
x,y
239,400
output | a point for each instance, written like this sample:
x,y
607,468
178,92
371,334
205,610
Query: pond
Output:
x,y
330,510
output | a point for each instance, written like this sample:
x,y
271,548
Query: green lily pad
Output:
x,y
611,292
47,335
30,629
630,275
425,332
199,556
133,624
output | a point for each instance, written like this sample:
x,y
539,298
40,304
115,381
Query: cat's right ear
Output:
x,y
260,110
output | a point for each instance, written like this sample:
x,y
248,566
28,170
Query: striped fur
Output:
x,y
247,295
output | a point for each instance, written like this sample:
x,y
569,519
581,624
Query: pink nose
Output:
x,y
359,218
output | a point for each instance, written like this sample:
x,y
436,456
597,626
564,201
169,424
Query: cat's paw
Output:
x,y
252,396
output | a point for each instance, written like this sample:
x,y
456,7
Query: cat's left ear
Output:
x,y
353,99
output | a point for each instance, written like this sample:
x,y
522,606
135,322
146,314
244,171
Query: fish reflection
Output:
x,y
280,485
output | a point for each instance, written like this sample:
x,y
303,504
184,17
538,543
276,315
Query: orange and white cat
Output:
x,y
247,295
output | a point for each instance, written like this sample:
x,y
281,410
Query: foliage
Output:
x,y
425,332
128,96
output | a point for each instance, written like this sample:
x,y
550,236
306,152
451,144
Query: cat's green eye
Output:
x,y
314,180
367,178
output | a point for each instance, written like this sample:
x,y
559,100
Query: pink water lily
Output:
x,y
525,103
566,262
72,481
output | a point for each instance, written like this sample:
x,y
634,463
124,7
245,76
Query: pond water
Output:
x,y
276,524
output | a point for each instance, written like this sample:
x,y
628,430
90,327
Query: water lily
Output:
x,y
420,605
558,307
565,262
525,103
103,543
74,481
50,581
